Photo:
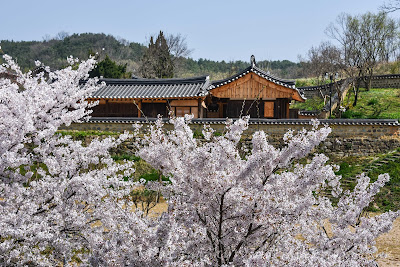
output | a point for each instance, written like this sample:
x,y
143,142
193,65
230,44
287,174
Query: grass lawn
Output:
x,y
311,104
389,196
373,104
378,103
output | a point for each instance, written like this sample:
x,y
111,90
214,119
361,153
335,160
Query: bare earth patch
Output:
x,y
389,243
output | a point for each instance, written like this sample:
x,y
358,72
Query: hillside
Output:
x,y
53,52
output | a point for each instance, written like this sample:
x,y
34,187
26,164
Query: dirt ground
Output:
x,y
389,243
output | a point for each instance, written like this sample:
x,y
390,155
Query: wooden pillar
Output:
x,y
220,109
107,108
139,104
287,109
200,109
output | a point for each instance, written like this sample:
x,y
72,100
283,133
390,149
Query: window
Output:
x,y
181,111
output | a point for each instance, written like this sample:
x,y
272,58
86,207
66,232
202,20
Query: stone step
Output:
x,y
347,183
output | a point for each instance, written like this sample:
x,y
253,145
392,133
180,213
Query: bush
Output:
x,y
350,114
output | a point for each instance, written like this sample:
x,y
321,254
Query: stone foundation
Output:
x,y
356,137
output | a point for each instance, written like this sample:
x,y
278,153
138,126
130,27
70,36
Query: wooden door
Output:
x,y
268,109
281,108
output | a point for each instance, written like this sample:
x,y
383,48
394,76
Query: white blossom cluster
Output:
x,y
53,190
261,209
61,201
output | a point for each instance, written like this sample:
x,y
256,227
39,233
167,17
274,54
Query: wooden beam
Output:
x,y
184,103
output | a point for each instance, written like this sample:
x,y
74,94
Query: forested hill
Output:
x,y
54,51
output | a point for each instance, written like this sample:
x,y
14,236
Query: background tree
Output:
x,y
365,41
179,50
177,46
157,60
390,6
109,69
62,35
322,59
53,52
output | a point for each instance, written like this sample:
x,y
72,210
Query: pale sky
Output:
x,y
217,30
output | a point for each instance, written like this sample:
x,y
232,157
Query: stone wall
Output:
x,y
378,81
386,81
355,137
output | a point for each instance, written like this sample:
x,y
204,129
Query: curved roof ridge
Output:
x,y
233,77
287,81
198,79
258,71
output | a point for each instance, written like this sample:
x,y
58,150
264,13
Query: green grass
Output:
x,y
311,104
310,82
389,196
121,157
349,170
83,134
374,104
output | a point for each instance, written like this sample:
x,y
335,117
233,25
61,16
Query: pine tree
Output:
x,y
109,69
157,61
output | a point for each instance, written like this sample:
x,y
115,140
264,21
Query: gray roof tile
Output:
x,y
153,88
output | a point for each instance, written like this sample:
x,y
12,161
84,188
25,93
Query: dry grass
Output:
x,y
158,209
389,243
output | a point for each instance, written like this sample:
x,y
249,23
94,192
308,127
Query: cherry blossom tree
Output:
x,y
257,207
63,203
53,190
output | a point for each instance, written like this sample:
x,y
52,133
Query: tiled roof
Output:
x,y
258,71
389,122
320,87
386,76
153,88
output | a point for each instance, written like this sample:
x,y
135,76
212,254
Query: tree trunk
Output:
x,y
369,80
356,91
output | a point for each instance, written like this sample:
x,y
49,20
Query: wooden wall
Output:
x,y
115,109
182,107
271,109
252,86
236,107
151,110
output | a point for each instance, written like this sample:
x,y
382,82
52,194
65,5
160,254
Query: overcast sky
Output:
x,y
217,30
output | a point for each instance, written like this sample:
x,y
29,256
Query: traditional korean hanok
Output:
x,y
251,92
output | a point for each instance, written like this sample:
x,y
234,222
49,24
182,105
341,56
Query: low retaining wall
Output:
x,y
348,137
377,81
386,81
